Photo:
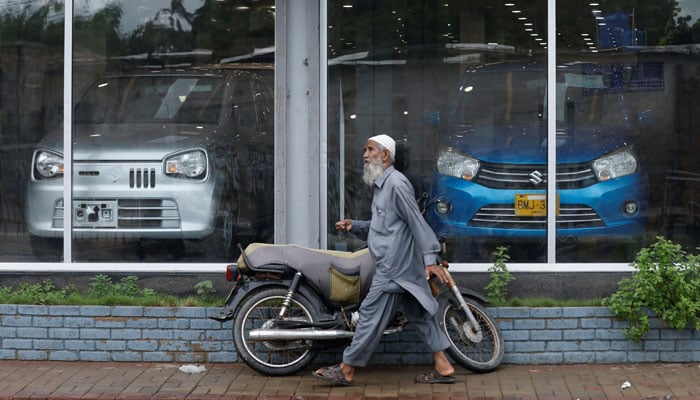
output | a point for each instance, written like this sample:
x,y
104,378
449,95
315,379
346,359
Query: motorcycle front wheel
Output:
x,y
483,354
272,357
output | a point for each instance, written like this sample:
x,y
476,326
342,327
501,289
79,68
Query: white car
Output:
x,y
162,155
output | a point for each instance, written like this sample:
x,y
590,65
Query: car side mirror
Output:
x,y
645,118
431,118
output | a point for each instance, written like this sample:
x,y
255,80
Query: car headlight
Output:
x,y
453,163
47,164
192,164
615,165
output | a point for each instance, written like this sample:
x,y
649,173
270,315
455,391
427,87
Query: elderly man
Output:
x,y
404,249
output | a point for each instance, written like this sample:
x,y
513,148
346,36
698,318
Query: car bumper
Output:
x,y
102,209
593,211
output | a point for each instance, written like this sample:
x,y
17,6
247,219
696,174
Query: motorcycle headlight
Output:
x,y
454,163
47,164
192,164
615,165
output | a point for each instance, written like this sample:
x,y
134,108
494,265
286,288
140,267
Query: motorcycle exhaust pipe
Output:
x,y
299,334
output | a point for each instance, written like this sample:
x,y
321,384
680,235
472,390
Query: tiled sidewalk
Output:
x,y
92,381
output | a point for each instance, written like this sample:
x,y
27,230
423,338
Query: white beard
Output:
x,y
372,171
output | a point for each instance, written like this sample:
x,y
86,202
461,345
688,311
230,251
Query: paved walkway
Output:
x,y
104,381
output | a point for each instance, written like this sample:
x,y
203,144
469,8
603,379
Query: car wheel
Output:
x,y
221,244
46,249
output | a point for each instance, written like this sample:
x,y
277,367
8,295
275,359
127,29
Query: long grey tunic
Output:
x,y
399,240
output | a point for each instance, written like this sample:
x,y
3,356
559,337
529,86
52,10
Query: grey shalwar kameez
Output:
x,y
402,245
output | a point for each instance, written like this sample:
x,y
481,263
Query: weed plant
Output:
x,y
500,277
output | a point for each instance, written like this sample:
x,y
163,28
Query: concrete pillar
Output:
x,y
297,140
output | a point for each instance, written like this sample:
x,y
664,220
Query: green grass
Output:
x,y
102,292
127,292
547,302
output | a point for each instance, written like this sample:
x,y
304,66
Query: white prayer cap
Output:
x,y
387,142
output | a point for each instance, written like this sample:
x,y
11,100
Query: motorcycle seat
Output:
x,y
314,264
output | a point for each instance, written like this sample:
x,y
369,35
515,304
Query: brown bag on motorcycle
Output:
x,y
345,289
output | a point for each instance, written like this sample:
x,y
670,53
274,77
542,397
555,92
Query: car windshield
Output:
x,y
590,96
502,99
152,99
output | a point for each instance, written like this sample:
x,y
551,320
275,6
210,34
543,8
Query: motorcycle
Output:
x,y
290,302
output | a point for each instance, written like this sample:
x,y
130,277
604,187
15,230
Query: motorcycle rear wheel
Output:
x,y
279,357
483,356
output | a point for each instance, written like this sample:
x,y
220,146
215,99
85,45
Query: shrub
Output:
x,y
666,282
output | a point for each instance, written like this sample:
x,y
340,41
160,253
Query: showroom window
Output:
x,y
172,130
31,97
565,131
578,151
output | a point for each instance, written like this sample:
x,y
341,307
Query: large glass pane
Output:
x,y
461,85
172,131
626,115
31,98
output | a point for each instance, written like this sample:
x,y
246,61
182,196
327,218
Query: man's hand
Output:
x,y
344,225
436,270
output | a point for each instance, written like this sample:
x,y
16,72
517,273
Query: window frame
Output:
x,y
286,199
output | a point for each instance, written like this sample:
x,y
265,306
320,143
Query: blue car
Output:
x,y
491,179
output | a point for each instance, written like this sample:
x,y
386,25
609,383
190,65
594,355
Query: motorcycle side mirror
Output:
x,y
443,246
442,262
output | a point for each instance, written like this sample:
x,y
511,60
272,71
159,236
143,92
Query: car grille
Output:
x,y
142,178
150,213
136,213
503,216
57,219
530,176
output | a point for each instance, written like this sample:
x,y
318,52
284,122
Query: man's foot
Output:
x,y
333,374
442,364
434,377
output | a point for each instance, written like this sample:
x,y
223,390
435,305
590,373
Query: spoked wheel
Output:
x,y
478,352
272,357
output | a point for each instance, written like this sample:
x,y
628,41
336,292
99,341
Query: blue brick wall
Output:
x,y
587,335
186,335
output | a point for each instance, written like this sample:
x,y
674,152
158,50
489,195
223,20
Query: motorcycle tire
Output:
x,y
484,355
275,357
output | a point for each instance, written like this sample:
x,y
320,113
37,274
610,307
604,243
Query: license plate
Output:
x,y
532,205
95,214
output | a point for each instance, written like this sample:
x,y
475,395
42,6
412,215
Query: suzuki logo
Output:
x,y
535,177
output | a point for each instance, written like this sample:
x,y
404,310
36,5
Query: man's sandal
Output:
x,y
434,377
333,374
